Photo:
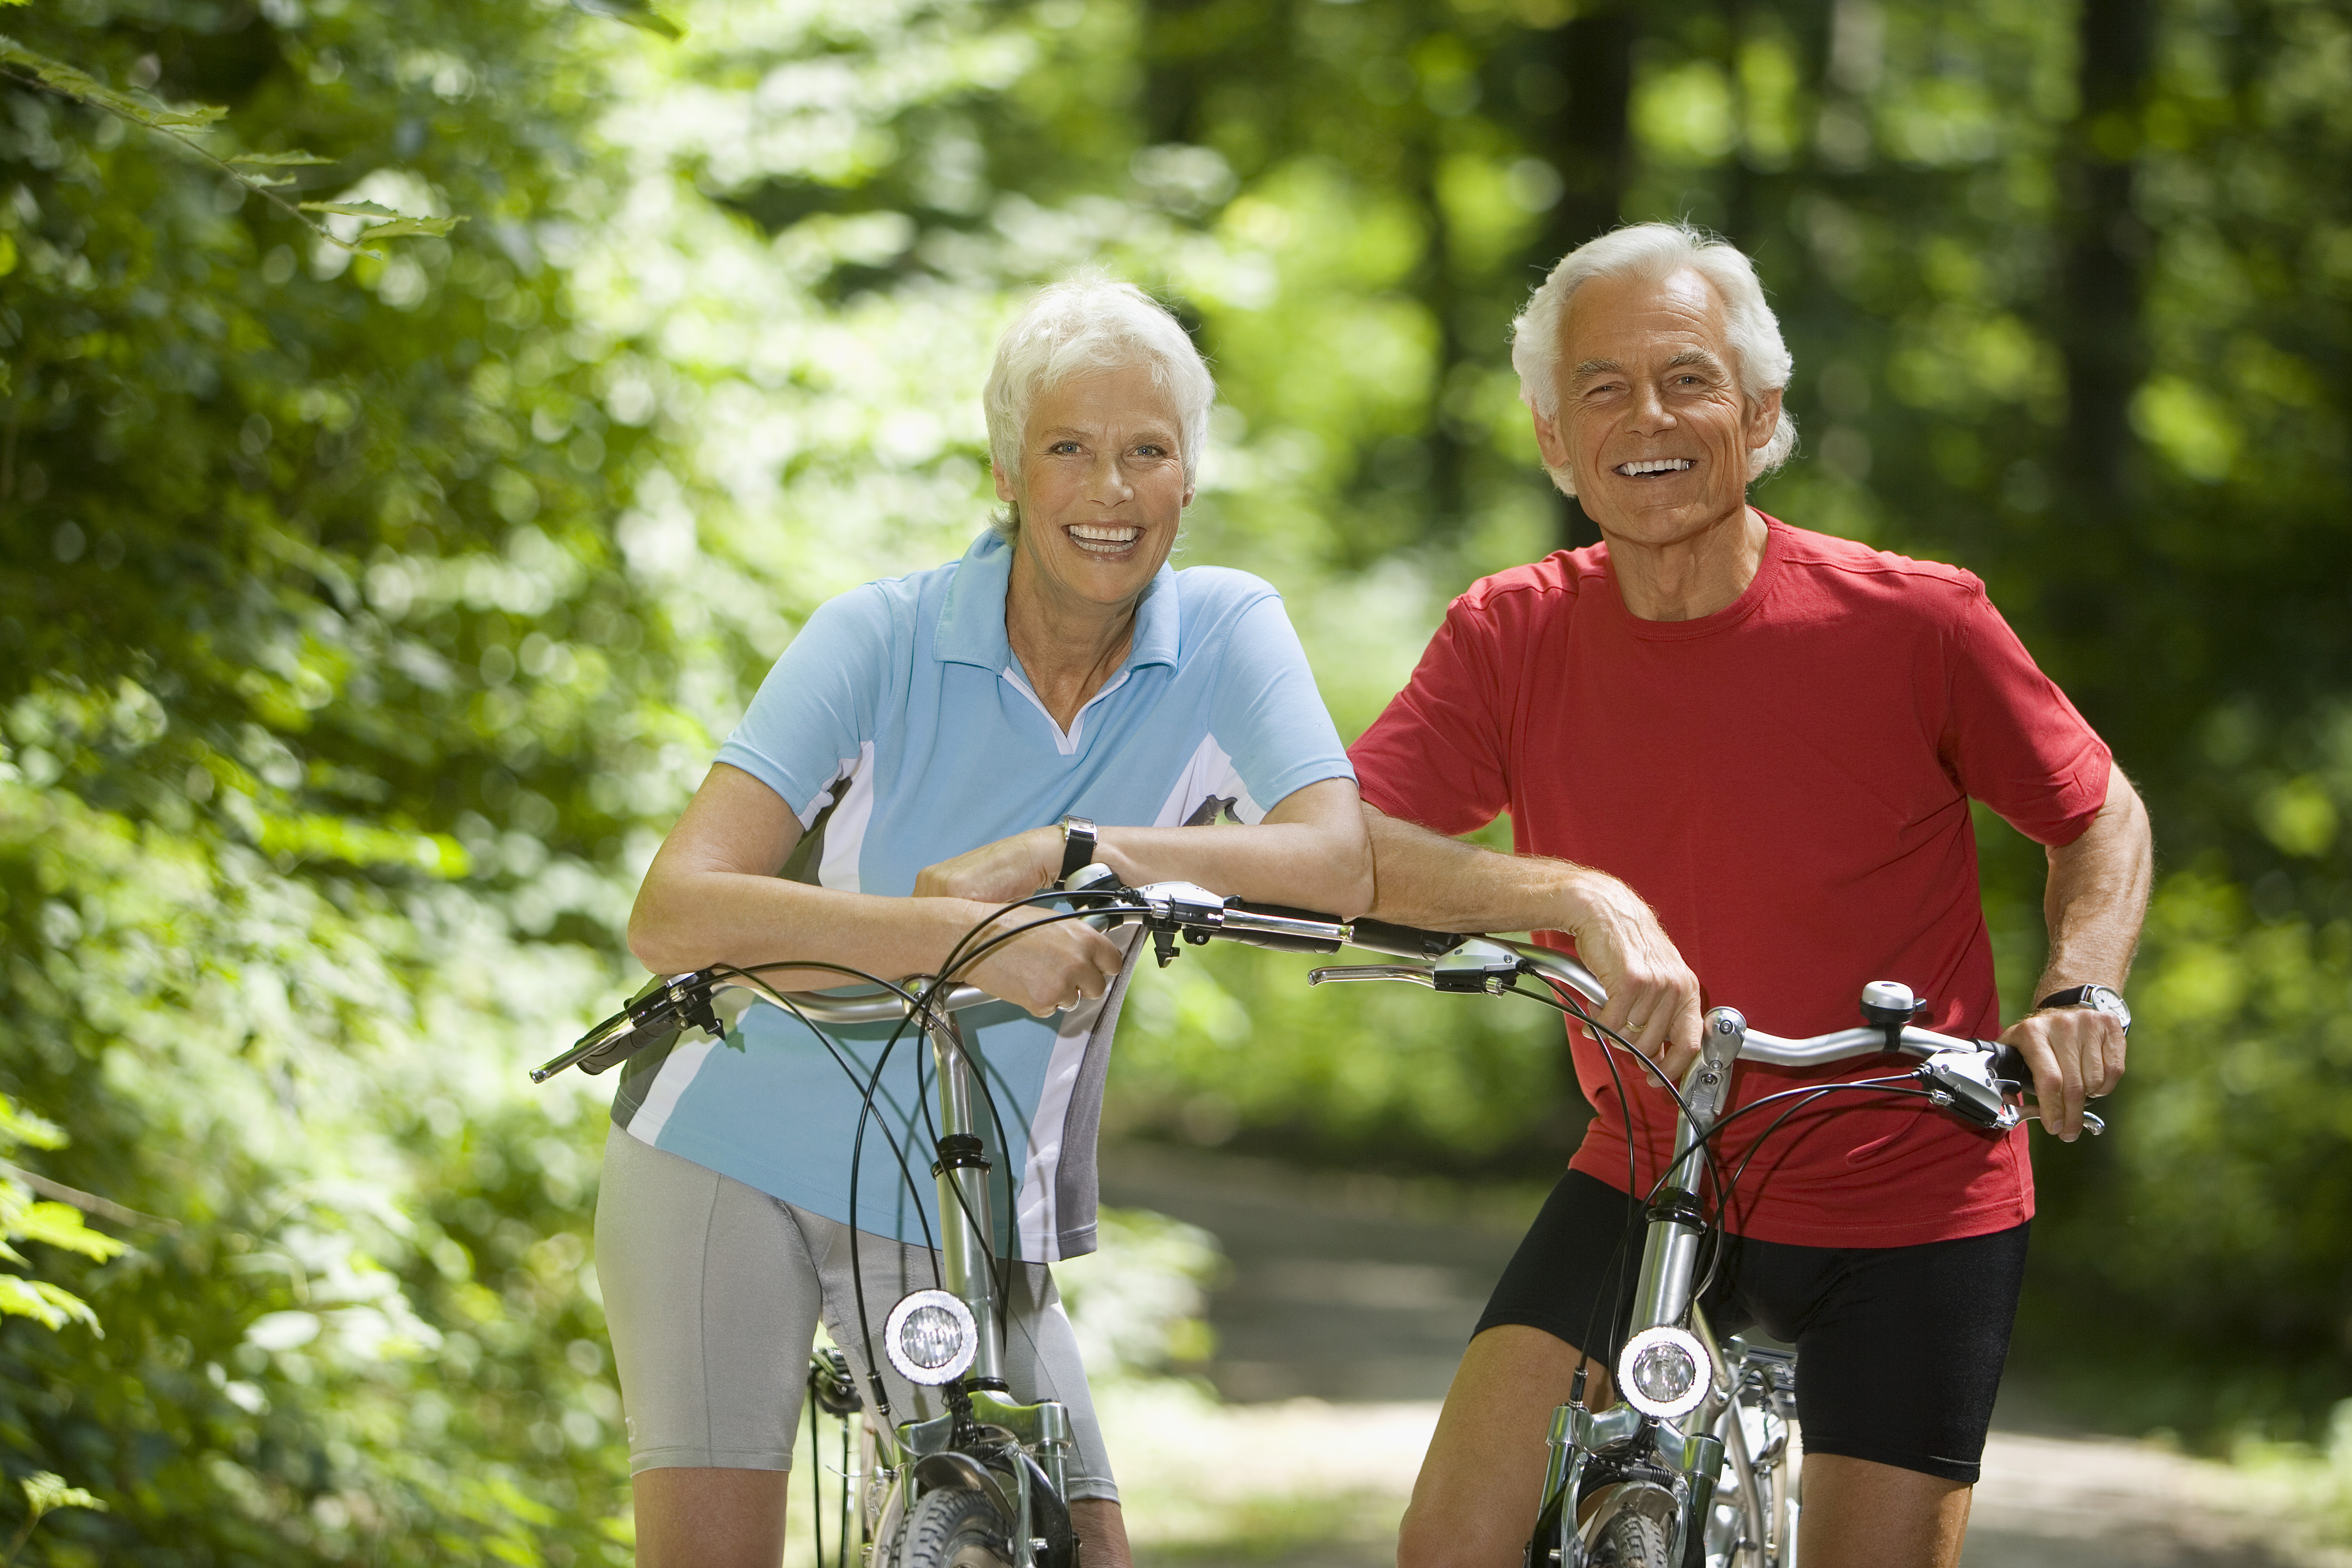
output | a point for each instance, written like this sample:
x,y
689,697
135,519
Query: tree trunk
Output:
x,y
1586,138
2106,257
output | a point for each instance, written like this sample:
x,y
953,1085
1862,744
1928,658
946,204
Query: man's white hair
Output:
x,y
1086,324
1658,250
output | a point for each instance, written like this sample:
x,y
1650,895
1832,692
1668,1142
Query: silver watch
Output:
x,y
2104,999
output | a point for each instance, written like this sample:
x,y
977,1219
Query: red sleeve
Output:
x,y
1435,756
2012,738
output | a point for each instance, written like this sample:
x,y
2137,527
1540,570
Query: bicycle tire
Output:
x,y
1630,1541
953,1527
1635,1530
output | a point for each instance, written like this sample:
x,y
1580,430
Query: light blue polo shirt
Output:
x,y
900,730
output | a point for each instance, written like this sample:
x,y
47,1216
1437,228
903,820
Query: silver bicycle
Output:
x,y
985,1485
1693,1468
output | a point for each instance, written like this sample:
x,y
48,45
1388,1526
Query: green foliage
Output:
x,y
365,618
50,1224
44,1493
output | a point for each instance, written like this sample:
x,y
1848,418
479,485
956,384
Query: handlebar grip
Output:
x,y
1404,942
1283,941
2009,1062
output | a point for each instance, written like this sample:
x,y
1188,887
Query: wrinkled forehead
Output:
x,y
1635,319
1124,396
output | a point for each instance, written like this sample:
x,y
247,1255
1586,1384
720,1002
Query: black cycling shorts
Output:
x,y
1899,1349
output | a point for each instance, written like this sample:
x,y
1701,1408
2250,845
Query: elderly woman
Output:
x,y
927,749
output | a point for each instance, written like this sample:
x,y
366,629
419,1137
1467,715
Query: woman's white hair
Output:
x,y
1657,250
1086,324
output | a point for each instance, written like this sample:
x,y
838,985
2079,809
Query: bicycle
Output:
x,y
1692,1469
985,1485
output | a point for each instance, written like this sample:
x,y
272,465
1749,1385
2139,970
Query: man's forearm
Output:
x,y
2097,894
1424,878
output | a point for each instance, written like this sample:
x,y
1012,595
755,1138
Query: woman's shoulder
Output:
x,y
1227,590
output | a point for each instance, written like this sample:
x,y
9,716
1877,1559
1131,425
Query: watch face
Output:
x,y
2113,1005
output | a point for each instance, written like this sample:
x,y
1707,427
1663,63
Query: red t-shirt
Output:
x,y
1787,782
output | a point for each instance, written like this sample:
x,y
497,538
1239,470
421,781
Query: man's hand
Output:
x,y
1652,994
2075,1054
996,873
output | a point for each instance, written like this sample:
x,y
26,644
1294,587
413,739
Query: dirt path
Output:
x,y
1345,1305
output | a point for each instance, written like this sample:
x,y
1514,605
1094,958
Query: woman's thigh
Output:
x,y
712,1303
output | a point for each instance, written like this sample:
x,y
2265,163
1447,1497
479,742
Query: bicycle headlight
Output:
x,y
1663,1372
931,1338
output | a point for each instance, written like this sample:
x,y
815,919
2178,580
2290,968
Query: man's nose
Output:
x,y
1650,413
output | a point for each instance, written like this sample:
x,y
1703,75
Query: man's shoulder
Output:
x,y
1861,577
1552,585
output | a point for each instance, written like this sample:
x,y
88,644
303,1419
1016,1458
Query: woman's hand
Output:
x,y
996,873
1048,966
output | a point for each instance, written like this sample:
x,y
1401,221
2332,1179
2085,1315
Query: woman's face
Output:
x,y
1102,485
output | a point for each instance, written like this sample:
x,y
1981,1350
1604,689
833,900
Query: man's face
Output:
x,y
1651,423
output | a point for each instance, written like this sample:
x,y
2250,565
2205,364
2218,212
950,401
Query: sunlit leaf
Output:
x,y
60,1225
49,1305
60,77
434,227
18,1125
636,13
350,209
46,1490
278,160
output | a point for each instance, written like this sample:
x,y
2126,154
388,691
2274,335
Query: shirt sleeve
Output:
x,y
1436,755
2012,739
1266,711
815,711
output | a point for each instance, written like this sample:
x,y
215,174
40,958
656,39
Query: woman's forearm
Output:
x,y
691,918
1309,853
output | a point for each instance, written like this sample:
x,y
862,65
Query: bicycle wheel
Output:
x,y
1629,1539
953,1527
1636,1527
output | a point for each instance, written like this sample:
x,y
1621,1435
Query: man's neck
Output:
x,y
1691,577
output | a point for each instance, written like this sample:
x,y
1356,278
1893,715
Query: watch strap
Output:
x,y
2088,996
1078,848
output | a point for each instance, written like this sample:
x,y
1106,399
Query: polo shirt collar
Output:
x,y
970,627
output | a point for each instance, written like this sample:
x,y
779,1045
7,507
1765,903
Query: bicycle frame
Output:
x,y
916,1456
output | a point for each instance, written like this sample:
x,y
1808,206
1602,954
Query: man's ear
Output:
x,y
1549,442
1763,418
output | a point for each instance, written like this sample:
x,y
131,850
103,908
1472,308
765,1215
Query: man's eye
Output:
x,y
1063,447
1148,450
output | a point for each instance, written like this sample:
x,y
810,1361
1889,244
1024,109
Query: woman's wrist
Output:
x,y
1108,853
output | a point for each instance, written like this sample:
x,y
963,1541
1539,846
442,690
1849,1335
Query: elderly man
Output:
x,y
1772,737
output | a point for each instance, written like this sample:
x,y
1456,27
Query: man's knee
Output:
x,y
1477,1497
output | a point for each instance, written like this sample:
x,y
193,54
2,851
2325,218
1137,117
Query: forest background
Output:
x,y
364,619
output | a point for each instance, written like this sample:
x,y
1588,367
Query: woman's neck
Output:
x,y
1067,645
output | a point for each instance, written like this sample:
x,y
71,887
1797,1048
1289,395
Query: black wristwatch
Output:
x,y
1078,848
2104,998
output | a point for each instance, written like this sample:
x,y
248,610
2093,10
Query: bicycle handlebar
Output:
x,y
1972,1077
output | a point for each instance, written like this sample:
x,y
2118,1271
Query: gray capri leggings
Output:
x,y
712,1293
